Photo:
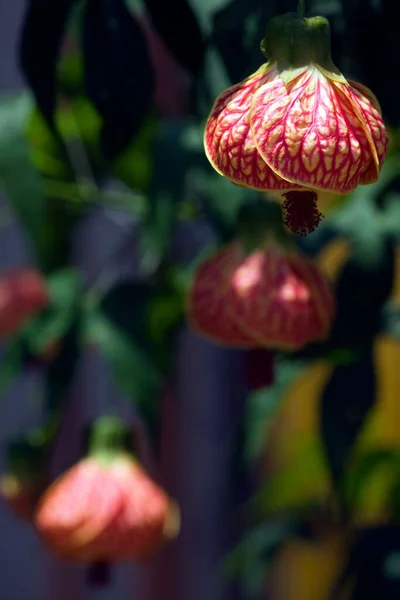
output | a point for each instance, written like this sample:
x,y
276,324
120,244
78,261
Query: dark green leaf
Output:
x,y
249,561
118,71
177,25
59,377
263,404
126,306
156,231
346,401
51,325
358,474
18,177
135,373
373,566
12,364
42,33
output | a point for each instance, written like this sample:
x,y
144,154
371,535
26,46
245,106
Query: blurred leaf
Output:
x,y
263,404
249,561
126,306
164,315
357,475
118,71
373,566
134,165
59,377
53,323
361,294
38,52
135,373
18,177
177,25
346,401
303,481
11,363
156,231
371,24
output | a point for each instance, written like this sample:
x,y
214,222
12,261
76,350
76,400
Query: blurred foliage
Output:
x,y
327,431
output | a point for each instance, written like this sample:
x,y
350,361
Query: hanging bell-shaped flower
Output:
x,y
297,126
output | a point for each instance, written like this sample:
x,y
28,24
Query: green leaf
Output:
x,y
135,372
156,231
294,484
263,404
18,176
11,364
358,474
249,560
166,311
65,288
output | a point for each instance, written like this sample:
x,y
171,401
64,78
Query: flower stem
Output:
x,y
301,8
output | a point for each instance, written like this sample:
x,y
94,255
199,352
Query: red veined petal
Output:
x,y
277,300
207,301
370,109
228,141
309,133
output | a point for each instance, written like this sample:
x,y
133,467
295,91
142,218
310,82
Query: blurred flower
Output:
x,y
23,294
106,507
270,297
297,126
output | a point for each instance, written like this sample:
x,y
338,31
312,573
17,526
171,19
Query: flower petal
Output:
x,y
310,133
66,516
228,141
370,109
207,302
282,305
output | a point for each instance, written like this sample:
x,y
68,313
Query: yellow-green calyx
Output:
x,y
293,42
108,438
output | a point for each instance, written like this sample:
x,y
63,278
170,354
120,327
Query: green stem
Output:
x,y
301,8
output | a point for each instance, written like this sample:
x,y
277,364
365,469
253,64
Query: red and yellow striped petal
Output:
x,y
281,300
66,517
229,143
308,133
371,112
207,301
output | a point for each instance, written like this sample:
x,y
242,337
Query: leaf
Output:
x,y
59,377
39,51
357,475
126,306
249,560
156,231
263,404
361,294
363,18
346,401
12,363
373,565
119,76
301,482
52,324
177,25
18,177
134,371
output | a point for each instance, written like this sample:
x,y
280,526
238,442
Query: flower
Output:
x,y
23,294
268,298
297,126
106,507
